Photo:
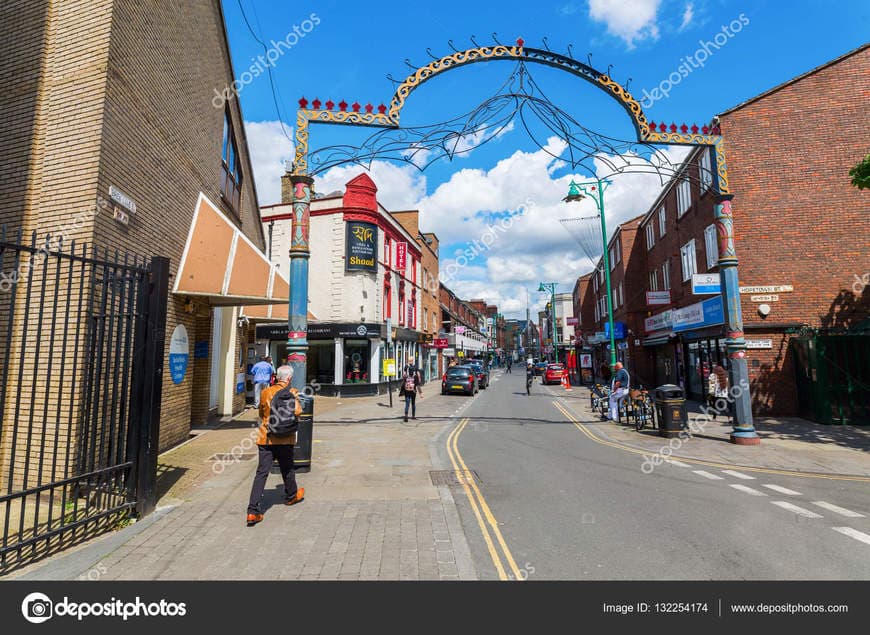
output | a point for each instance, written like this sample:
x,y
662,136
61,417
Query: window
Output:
x,y
684,196
662,221
705,170
621,295
618,252
401,303
687,258
612,257
654,280
388,250
425,318
595,284
388,300
650,236
231,166
597,316
711,247
615,299
666,275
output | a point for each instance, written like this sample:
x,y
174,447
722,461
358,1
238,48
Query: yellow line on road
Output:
x,y
727,466
481,509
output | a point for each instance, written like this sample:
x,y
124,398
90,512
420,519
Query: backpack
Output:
x,y
410,382
283,421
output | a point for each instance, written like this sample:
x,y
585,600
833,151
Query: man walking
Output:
x,y
262,373
618,390
509,364
411,381
279,412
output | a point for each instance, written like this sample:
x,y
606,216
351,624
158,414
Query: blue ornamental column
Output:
x,y
743,432
297,336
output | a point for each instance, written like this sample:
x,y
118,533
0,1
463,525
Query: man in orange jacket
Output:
x,y
274,448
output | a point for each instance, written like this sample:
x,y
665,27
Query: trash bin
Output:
x,y
302,450
670,410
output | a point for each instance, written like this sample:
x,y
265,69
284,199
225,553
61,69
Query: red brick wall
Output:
x,y
798,220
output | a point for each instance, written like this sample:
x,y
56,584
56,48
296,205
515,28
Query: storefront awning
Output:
x,y
656,340
221,264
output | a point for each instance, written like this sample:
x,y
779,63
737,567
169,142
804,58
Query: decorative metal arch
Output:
x,y
388,117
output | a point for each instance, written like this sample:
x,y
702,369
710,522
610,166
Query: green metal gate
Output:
x,y
833,377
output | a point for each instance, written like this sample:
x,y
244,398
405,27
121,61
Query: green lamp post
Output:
x,y
551,287
595,191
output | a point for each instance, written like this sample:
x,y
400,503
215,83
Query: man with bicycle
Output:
x,y
618,390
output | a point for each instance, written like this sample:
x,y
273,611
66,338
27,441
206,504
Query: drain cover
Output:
x,y
452,477
229,458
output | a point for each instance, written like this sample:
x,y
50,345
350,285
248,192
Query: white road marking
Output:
x,y
738,475
853,533
677,463
838,510
748,490
797,510
782,490
712,477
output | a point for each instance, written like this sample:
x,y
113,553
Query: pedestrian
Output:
x,y
509,364
276,436
411,382
605,372
717,388
618,390
262,373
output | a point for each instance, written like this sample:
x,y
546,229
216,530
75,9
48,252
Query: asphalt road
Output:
x,y
555,504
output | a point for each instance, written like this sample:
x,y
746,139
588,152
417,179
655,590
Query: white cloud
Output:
x,y
688,14
629,20
399,186
269,148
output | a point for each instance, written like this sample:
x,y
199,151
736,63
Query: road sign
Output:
x,y
764,298
759,344
706,284
389,367
776,288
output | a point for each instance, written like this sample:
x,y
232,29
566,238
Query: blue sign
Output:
x,y
200,350
707,313
618,330
706,284
179,353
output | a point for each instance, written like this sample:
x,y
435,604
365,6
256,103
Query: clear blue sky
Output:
x,y
353,46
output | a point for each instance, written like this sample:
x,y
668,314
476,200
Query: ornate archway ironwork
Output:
x,y
647,132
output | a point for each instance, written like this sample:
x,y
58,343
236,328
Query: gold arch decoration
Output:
x,y
388,117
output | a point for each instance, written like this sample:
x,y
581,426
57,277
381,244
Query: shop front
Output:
x,y
702,343
344,358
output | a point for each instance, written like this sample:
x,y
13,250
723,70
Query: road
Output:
x,y
548,501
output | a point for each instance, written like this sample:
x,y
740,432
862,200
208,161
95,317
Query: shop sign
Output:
x,y
759,344
658,297
440,342
658,322
618,330
361,247
775,288
706,313
706,283
321,331
572,321
401,256
449,352
459,330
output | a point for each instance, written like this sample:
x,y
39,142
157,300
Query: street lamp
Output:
x,y
595,190
551,287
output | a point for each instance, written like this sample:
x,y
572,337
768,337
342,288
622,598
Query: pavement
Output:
x,y
549,492
371,510
787,443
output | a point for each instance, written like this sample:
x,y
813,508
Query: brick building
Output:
x,y
462,325
802,241
430,318
108,107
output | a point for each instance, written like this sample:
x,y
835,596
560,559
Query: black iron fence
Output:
x,y
81,348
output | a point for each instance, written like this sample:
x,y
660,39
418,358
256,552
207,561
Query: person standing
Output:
x,y
411,382
509,364
276,436
261,372
618,390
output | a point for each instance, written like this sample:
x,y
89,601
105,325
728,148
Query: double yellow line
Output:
x,y
485,520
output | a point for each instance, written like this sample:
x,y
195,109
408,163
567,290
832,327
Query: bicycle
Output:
x,y
642,409
600,399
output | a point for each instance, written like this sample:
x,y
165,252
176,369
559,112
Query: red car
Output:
x,y
553,374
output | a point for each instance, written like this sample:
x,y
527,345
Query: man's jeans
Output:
x,y
258,388
615,397
284,455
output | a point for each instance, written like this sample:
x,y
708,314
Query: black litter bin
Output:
x,y
302,450
671,410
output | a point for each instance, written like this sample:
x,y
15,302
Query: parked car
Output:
x,y
540,367
481,372
461,379
554,373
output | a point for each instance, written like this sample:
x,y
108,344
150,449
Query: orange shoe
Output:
x,y
253,519
300,496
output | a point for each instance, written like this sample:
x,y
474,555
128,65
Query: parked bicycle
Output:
x,y
641,408
600,399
